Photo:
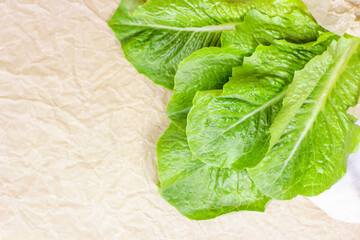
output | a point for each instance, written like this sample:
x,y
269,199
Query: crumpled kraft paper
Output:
x,y
78,130
338,16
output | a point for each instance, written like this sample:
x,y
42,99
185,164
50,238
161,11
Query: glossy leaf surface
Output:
x,y
232,130
200,191
311,152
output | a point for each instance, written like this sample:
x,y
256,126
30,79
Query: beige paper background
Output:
x,y
78,129
338,16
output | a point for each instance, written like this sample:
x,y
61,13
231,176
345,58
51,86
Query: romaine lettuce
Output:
x,y
313,136
158,35
232,130
268,90
200,191
210,68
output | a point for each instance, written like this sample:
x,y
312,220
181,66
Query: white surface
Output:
x,y
342,201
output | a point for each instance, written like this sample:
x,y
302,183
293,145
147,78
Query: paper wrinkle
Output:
x,y
78,133
337,16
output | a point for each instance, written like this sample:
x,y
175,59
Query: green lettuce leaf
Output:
x,y
258,28
313,144
231,130
210,68
159,34
205,69
200,191
300,90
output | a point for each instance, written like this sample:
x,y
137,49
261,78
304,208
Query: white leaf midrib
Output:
x,y
336,73
244,118
209,28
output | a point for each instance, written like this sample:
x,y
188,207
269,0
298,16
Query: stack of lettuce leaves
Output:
x,y
260,99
